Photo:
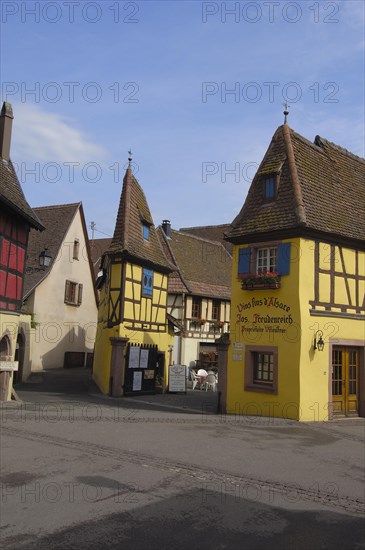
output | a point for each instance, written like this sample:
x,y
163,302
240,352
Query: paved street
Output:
x,y
81,470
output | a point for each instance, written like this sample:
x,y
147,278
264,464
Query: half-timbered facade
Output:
x,y
198,292
298,286
133,295
16,220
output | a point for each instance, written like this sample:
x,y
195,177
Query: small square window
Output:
x,y
146,232
269,188
261,369
266,260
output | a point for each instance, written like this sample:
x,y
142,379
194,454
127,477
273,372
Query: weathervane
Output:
x,y
286,112
130,157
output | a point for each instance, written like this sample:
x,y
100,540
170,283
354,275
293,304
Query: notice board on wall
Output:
x,y
141,369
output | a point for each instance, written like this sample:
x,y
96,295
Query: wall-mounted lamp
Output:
x,y
45,258
318,341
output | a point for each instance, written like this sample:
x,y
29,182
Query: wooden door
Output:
x,y
345,381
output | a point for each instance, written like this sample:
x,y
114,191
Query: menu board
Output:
x,y
177,378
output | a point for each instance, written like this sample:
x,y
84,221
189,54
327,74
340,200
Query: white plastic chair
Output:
x,y
194,378
210,382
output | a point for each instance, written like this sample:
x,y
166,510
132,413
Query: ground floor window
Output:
x,y
261,369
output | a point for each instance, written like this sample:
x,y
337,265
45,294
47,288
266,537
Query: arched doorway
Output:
x,y
5,355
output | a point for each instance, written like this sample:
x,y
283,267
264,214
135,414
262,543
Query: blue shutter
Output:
x,y
147,282
284,258
244,261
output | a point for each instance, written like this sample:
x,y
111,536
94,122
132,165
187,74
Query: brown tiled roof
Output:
x,y
202,267
98,247
212,233
128,237
11,194
321,190
56,220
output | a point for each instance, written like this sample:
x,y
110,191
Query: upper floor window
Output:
x,y
147,282
216,307
76,249
266,260
196,308
269,188
73,293
146,231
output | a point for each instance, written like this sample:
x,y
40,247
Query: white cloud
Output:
x,y
42,136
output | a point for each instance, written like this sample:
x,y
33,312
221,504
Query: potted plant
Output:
x,y
252,281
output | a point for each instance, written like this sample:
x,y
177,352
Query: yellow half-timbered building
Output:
x,y
133,299
298,288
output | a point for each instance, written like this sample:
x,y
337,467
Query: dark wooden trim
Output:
x,y
316,271
299,232
341,274
331,305
345,276
357,295
332,276
321,313
133,280
122,302
134,260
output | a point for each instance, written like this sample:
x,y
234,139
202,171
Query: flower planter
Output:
x,y
260,286
254,281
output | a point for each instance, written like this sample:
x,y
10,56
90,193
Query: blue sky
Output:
x,y
195,89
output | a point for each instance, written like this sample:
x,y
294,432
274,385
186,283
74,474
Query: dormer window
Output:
x,y
270,188
146,231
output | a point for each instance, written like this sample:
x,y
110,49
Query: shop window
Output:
x,y
261,369
147,282
73,293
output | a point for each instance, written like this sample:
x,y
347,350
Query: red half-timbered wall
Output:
x,y
13,243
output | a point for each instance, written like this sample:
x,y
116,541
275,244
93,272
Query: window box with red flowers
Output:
x,y
254,281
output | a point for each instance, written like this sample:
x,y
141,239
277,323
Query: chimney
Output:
x,y
6,123
166,226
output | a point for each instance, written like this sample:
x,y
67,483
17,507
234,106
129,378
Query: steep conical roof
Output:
x,y
320,189
128,239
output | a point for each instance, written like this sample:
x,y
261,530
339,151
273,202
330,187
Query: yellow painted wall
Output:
x,y
304,375
248,307
140,311
316,372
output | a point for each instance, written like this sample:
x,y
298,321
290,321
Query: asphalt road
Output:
x,y
163,472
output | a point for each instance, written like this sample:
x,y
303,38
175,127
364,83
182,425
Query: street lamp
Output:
x,y
45,258
318,341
